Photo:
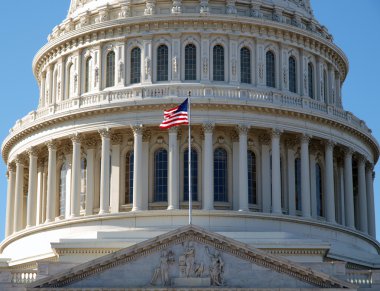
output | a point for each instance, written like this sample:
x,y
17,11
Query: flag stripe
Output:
x,y
176,116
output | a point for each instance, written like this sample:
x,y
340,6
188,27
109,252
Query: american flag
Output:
x,y
176,116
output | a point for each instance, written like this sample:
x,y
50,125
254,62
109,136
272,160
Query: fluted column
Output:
x,y
105,172
276,172
313,185
291,177
32,189
137,169
243,168
40,192
208,168
370,201
305,177
90,183
329,182
51,182
363,224
9,223
348,188
19,195
265,173
75,176
116,140
173,196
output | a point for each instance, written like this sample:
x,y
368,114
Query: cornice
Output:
x,y
198,103
135,26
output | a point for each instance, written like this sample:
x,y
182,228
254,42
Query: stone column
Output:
x,y
348,188
176,57
52,182
265,173
75,176
19,195
205,57
363,223
42,90
90,183
146,76
97,68
105,172
370,201
32,189
173,195
208,168
276,172
329,182
341,193
9,223
313,185
305,177
243,168
291,177
137,169
40,193
116,140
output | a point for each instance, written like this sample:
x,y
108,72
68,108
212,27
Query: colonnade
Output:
x,y
41,209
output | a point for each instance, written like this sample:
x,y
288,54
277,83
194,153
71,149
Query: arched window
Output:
x,y
161,175
292,75
220,175
218,63
55,85
87,78
110,69
271,69
162,63
129,158
310,73
83,183
325,86
319,190
70,81
194,175
245,65
297,165
62,190
190,62
252,178
135,65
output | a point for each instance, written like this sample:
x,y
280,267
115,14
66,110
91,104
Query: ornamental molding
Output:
x,y
216,256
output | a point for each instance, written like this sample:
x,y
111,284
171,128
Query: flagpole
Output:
x,y
189,158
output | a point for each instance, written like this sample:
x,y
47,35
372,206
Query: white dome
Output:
x,y
79,6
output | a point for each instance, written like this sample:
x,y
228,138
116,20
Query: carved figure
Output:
x,y
162,271
189,259
216,268
147,68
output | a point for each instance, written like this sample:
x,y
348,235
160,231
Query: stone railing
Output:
x,y
363,278
198,93
24,277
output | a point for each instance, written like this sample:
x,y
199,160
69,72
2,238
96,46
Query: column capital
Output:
x,y
32,152
369,166
348,151
138,129
91,142
361,159
20,160
243,129
305,138
329,144
147,134
11,167
291,143
104,132
264,139
76,138
116,139
173,130
51,145
276,133
208,127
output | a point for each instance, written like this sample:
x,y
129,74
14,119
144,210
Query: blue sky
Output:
x,y
25,25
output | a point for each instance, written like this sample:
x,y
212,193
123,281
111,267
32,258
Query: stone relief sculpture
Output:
x,y
147,68
216,268
150,7
177,6
162,271
204,7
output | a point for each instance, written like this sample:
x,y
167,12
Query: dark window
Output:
x,y
62,190
88,75
190,62
162,63
129,158
292,75
194,175
270,68
218,63
310,71
83,183
319,189
161,175
297,164
325,86
252,178
135,65
110,70
220,175
245,65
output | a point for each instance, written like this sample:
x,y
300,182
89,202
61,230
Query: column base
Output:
x,y
103,212
136,209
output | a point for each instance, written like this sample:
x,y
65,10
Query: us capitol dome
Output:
x,y
282,175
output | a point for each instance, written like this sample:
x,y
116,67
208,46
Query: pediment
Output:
x,y
190,257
